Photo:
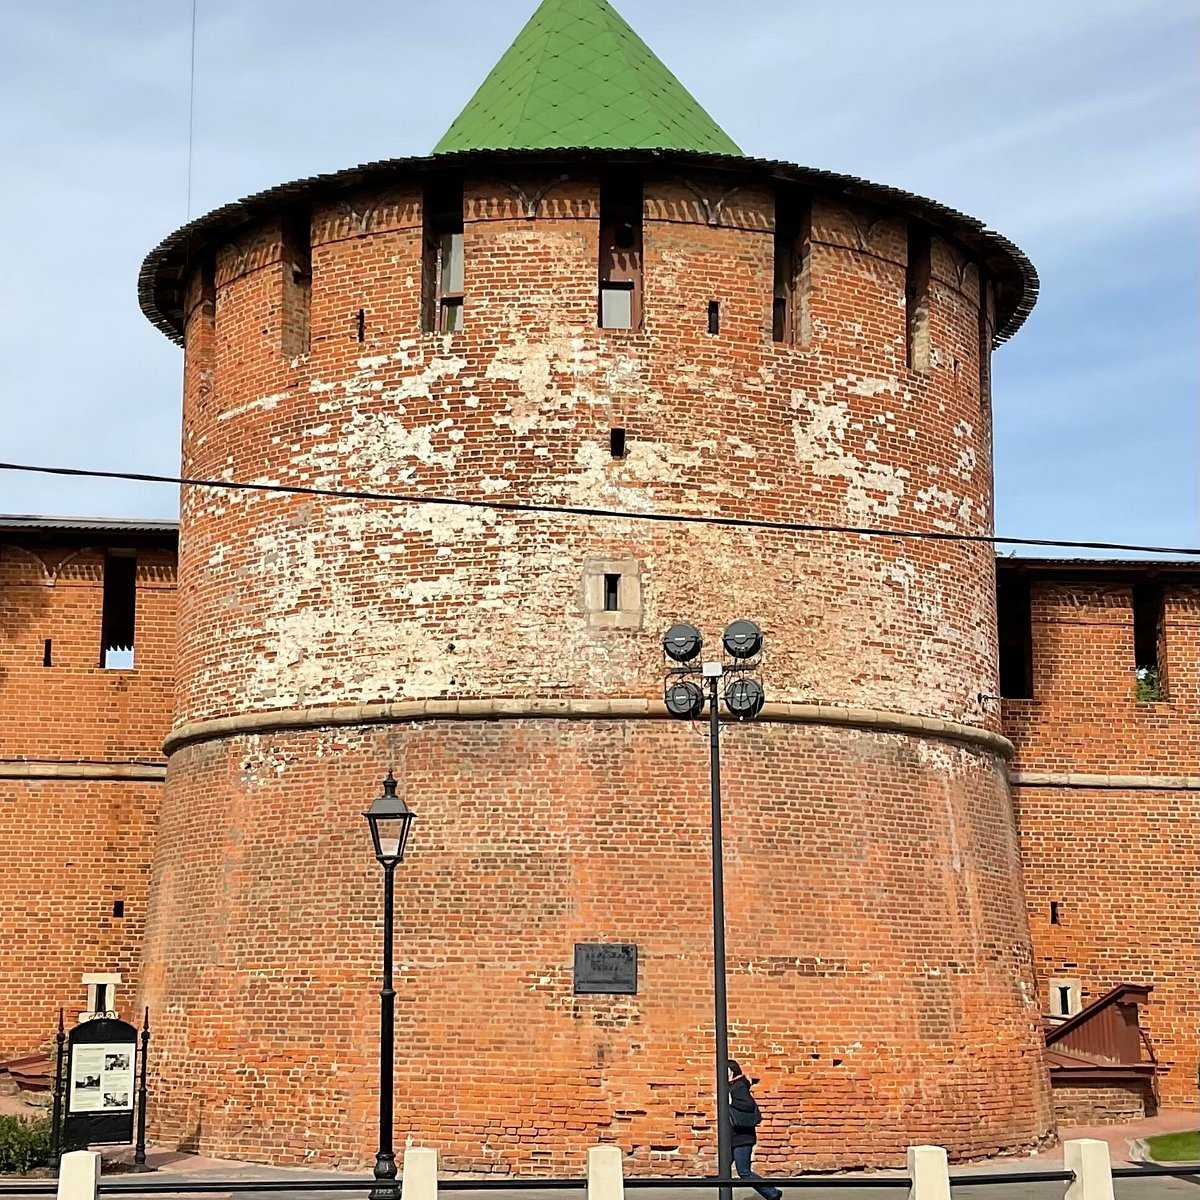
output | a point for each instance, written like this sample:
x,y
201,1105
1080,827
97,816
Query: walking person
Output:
x,y
745,1116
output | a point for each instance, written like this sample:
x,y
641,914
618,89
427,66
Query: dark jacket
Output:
x,y
741,1101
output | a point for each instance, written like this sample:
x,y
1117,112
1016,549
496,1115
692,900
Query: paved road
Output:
x,y
1150,1188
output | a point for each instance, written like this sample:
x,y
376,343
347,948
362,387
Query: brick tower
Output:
x,y
587,296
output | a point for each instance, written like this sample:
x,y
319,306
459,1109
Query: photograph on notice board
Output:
x,y
101,1079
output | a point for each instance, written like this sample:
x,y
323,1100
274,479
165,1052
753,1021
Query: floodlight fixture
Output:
x,y
743,639
684,699
745,698
682,643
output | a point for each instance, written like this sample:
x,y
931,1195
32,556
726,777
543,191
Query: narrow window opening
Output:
x,y
790,320
1065,998
101,997
1148,631
779,319
205,290
985,340
1054,913
916,293
612,593
361,325
208,285
620,301
47,653
118,908
1014,620
616,442
118,611
296,255
443,272
714,317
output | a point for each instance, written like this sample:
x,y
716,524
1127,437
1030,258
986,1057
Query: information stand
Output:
x,y
100,1083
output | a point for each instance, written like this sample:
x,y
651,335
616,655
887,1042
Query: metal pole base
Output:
x,y
386,1187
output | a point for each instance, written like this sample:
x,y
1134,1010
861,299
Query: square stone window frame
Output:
x,y
628,614
1074,995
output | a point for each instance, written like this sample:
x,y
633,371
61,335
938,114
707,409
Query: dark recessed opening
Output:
x,y
47,653
361,324
612,593
443,270
1054,914
916,296
1148,603
779,319
714,317
1064,1000
1014,615
118,613
616,441
118,908
620,298
296,252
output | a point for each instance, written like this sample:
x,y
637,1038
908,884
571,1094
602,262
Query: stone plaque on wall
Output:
x,y
605,969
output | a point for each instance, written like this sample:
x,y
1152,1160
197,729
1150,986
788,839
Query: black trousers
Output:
x,y
741,1161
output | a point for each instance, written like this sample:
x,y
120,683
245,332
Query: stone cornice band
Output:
x,y
578,710
129,771
1072,779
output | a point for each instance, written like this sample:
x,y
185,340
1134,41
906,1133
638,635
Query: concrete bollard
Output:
x,y
929,1173
420,1174
606,1177
79,1175
1089,1159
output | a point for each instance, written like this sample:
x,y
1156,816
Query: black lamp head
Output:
x,y
743,639
684,699
744,698
682,643
390,821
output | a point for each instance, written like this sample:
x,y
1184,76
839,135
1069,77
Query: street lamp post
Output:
x,y
390,820
682,644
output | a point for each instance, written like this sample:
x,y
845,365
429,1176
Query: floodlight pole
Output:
x,y
712,675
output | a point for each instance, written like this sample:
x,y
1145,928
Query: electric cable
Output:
x,y
522,506
191,114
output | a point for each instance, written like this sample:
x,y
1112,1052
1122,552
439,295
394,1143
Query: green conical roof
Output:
x,y
579,77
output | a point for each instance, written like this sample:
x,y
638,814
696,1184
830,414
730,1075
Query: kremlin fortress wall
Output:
x,y
653,329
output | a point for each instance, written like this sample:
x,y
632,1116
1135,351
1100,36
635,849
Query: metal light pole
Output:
x,y
390,821
720,1005
744,700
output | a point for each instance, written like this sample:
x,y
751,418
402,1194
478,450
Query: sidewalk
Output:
x,y
1118,1137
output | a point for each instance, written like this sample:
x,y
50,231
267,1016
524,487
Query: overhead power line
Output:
x,y
574,510
191,133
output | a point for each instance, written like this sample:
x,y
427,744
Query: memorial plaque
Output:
x,y
605,969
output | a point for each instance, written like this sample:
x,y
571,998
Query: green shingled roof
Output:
x,y
578,77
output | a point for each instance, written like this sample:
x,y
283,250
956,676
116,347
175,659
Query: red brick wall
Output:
x,y
520,404
70,845
1085,715
1103,1104
69,848
877,949
1120,861
883,975
76,710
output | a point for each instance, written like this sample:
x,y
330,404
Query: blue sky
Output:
x,y
1070,126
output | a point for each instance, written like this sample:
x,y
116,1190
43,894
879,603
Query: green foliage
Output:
x,y
24,1144
1149,684
1175,1147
